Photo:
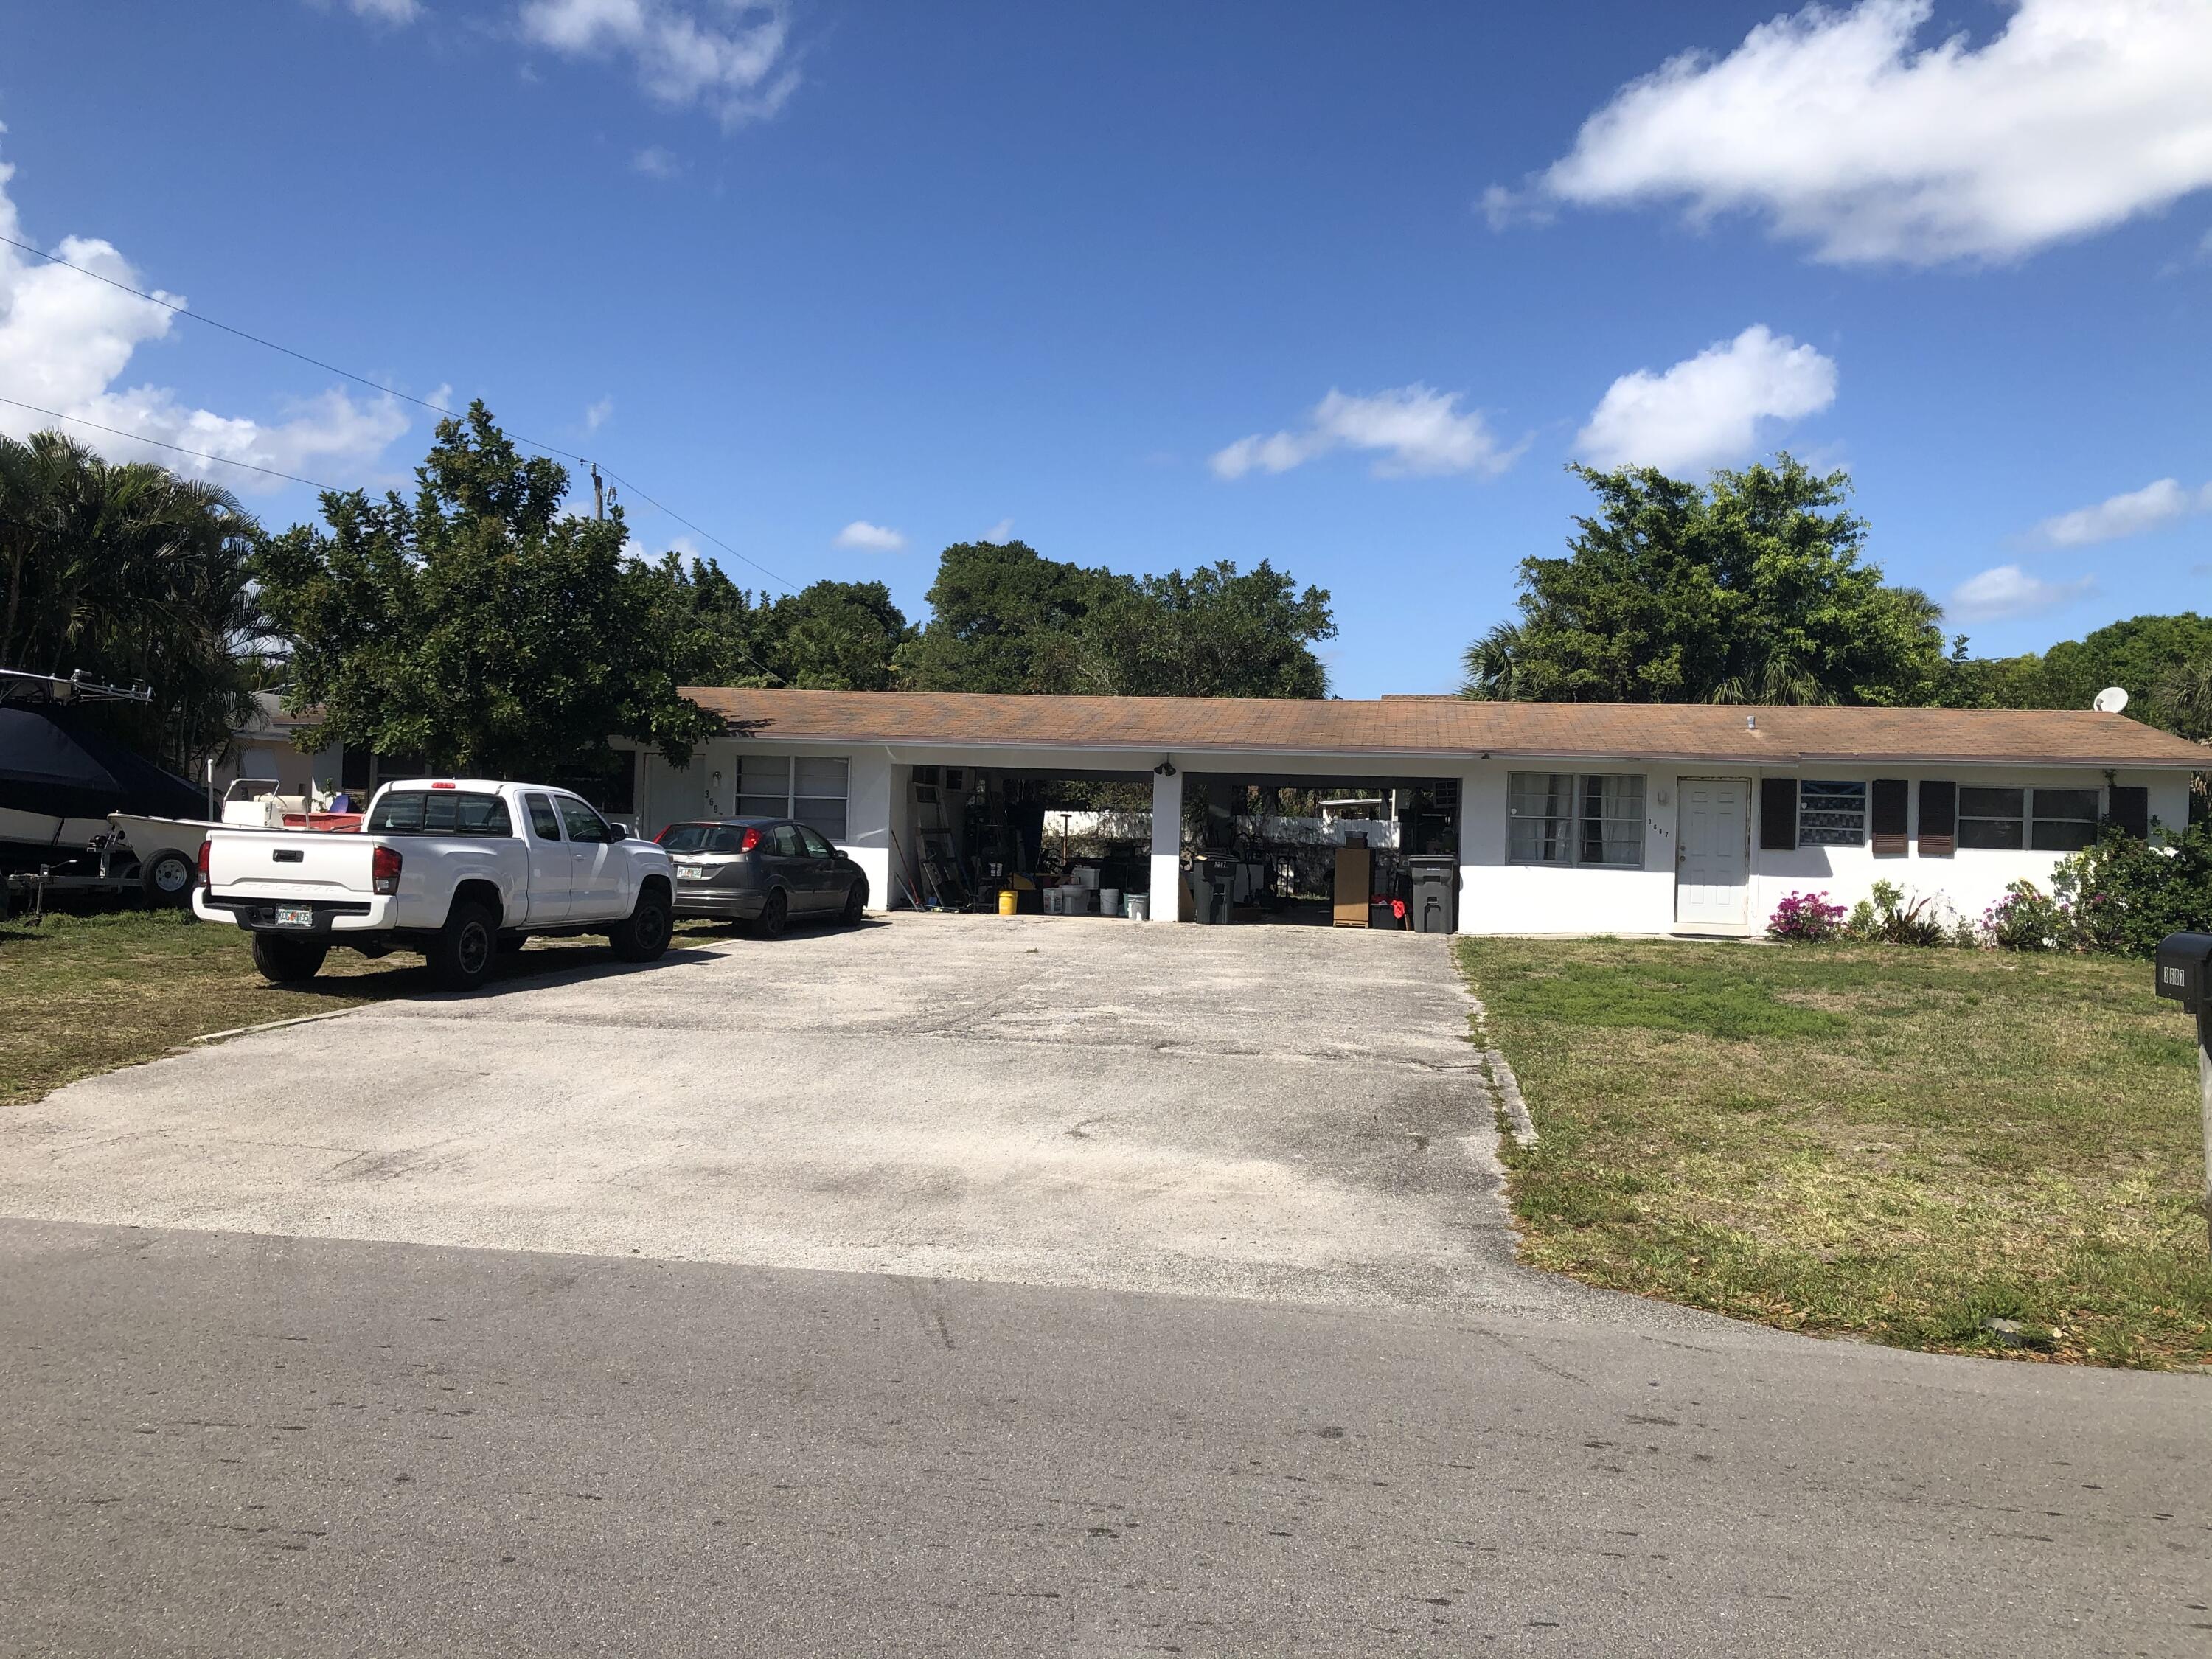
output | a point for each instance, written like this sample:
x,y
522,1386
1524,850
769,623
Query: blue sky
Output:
x,y
1152,285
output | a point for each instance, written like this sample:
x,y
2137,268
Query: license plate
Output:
x,y
691,873
294,915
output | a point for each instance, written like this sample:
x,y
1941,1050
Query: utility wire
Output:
x,y
359,380
140,437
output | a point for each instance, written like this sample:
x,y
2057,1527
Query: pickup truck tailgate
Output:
x,y
300,864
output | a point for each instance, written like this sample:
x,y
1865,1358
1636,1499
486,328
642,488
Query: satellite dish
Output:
x,y
2110,700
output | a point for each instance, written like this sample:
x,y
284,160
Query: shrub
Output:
x,y
1896,922
2028,918
1806,917
2124,895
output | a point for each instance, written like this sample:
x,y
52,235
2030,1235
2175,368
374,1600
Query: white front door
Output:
x,y
1712,857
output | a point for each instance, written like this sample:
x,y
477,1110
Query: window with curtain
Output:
x,y
764,786
2065,820
818,795
1563,818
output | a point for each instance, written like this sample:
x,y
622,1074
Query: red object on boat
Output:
x,y
336,822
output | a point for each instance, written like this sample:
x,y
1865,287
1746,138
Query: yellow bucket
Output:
x,y
1007,901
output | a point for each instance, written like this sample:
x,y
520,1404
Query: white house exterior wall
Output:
x,y
1500,897
1496,896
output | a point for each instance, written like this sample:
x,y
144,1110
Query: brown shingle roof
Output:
x,y
1449,726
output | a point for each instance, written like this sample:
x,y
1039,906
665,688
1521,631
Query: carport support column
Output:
x,y
1167,845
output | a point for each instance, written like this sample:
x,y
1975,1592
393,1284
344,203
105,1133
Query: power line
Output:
x,y
359,380
197,455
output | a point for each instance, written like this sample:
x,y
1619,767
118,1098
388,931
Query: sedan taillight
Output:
x,y
383,869
751,842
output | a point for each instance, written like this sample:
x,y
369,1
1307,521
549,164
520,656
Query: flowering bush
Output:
x,y
2028,918
1806,917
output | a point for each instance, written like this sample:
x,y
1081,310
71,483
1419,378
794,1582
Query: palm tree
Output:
x,y
127,573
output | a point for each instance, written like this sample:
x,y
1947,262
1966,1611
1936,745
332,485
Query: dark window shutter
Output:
x,y
1777,814
1892,801
1939,818
2130,810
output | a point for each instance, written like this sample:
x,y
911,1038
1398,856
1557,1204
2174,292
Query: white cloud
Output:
x,y
1851,136
395,12
654,162
2008,591
1413,430
65,339
732,57
595,415
2130,514
1707,410
998,533
872,537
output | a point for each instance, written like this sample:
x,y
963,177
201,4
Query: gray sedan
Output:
x,y
766,872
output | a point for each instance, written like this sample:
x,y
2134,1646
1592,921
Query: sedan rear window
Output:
x,y
439,812
703,838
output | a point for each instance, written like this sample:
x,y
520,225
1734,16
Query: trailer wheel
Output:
x,y
166,879
288,960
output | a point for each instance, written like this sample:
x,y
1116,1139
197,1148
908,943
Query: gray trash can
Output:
x,y
1435,893
1212,879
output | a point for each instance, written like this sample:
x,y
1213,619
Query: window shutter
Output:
x,y
2130,810
1777,814
1892,800
1939,818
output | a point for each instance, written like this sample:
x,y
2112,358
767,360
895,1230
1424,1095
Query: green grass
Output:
x,y
1863,1140
88,993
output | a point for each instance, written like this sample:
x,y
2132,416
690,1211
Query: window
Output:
x,y
1831,814
783,842
764,786
810,789
545,822
1992,818
439,812
2065,820
819,796
585,826
1559,818
816,846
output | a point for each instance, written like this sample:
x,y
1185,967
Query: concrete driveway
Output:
x,y
1288,1113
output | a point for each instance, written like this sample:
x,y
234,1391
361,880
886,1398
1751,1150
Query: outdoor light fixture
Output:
x,y
1164,769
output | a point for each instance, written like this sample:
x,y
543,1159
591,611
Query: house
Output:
x,y
1563,817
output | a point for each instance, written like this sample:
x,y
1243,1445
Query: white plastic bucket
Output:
x,y
1110,901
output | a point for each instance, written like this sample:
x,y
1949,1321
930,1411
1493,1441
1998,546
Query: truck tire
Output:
x,y
288,960
644,934
461,957
166,879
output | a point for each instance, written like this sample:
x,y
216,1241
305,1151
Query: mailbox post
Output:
x,y
2184,967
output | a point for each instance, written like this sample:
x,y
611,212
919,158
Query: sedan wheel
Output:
x,y
774,916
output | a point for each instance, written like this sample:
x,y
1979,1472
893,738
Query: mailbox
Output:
x,y
2184,961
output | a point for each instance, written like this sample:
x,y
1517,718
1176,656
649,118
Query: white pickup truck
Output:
x,y
457,868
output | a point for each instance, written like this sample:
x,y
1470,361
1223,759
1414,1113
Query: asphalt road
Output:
x,y
221,1445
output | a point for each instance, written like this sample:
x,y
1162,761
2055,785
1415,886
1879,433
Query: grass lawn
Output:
x,y
88,993
1863,1140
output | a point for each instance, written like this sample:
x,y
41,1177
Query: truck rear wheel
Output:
x,y
462,954
288,960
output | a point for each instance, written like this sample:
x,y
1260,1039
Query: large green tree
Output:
x,y
126,573
479,626
1749,589
2163,663
1005,618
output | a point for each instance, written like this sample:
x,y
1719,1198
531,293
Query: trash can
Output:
x,y
1137,906
1435,906
1212,878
